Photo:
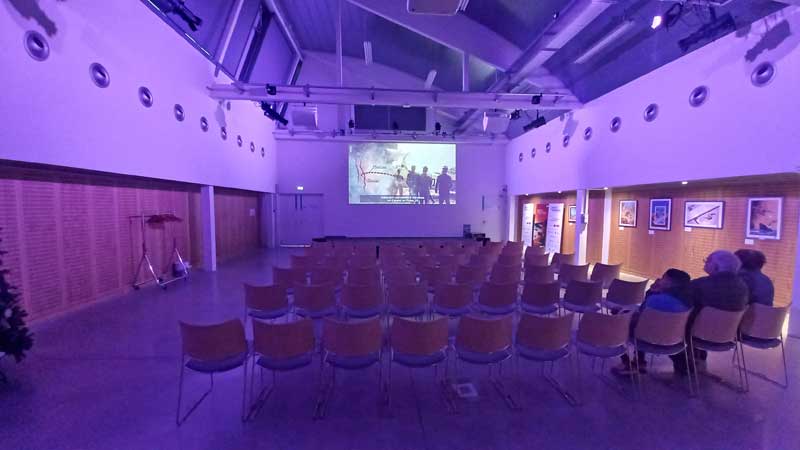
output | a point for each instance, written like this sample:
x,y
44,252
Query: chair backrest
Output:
x,y
506,274
534,250
434,276
213,342
603,330
470,274
544,333
326,275
660,327
316,297
299,262
400,275
362,296
416,337
539,274
453,295
288,277
407,296
583,293
541,294
763,322
570,272
498,295
283,340
485,261
265,298
605,273
624,292
484,334
562,258
506,259
716,325
353,337
536,259
364,275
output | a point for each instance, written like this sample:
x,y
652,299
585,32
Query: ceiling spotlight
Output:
x,y
559,192
395,127
516,114
684,183
351,124
536,99
437,127
271,89
605,188
657,21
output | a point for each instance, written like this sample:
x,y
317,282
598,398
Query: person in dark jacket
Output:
x,y
759,285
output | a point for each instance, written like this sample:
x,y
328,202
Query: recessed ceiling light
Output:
x,y
605,188
559,192
300,188
684,182
657,21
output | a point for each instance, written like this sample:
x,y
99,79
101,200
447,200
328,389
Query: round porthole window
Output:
x,y
651,112
99,75
762,74
616,124
520,157
204,124
36,45
565,141
547,148
533,152
698,96
263,152
587,133
224,133
179,113
239,140
146,97
252,147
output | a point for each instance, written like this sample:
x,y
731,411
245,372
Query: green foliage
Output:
x,y
15,337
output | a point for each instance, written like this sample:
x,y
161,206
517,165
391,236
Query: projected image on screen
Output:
x,y
402,173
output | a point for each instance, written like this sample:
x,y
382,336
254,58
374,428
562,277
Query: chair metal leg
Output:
x,y
497,382
785,371
558,387
245,414
693,369
263,395
180,420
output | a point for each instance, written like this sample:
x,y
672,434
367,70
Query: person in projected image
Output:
x,y
424,183
411,180
396,189
443,185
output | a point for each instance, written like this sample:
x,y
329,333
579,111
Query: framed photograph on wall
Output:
x,y
627,213
764,216
660,214
572,213
703,214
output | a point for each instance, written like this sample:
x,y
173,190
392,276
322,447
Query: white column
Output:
x,y
511,217
209,232
581,205
607,209
796,283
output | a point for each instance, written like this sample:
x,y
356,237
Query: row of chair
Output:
x,y
481,340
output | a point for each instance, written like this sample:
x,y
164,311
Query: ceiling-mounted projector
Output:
x,y
437,7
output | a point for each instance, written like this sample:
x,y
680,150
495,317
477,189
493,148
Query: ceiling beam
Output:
x,y
457,32
389,136
789,2
393,97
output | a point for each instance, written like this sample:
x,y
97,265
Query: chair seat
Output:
x,y
284,364
316,314
406,312
352,362
364,313
617,307
541,355
497,310
601,352
539,309
702,344
443,310
656,349
217,365
268,313
760,342
483,358
581,308
410,360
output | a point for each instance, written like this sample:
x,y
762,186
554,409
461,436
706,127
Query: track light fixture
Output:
x,y
536,99
535,123
272,114
178,7
272,89
516,114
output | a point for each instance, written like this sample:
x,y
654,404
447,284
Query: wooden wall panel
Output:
x,y
594,238
69,236
237,222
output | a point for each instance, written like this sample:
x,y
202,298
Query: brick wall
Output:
x,y
650,255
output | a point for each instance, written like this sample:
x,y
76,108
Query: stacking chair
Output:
x,y
486,341
545,340
211,349
474,275
625,295
452,299
536,259
605,273
534,250
400,275
362,300
583,296
364,275
495,298
570,272
514,247
562,258
407,300
351,345
327,275
281,347
300,262
420,344
434,276
541,298
661,333
715,330
603,336
506,259
265,302
761,328
540,274
315,301
289,277
506,274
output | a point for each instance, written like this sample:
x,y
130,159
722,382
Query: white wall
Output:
x,y
741,130
53,113
321,167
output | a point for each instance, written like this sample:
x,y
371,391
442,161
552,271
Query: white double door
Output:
x,y
299,218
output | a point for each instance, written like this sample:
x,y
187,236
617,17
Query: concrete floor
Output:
x,y
106,378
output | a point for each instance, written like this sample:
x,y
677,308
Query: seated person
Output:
x,y
759,285
670,293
